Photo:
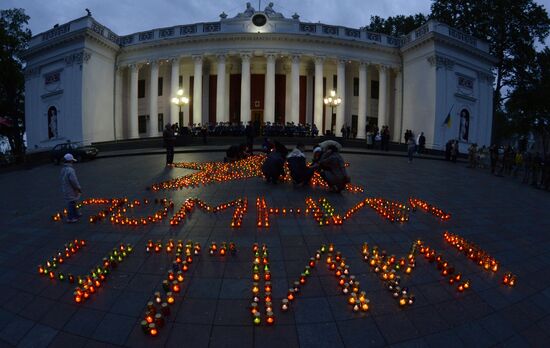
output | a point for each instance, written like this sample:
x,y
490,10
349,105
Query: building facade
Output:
x,y
86,83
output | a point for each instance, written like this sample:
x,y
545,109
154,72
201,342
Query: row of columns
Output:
x,y
269,101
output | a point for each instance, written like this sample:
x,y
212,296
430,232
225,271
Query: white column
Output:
x,y
341,92
221,115
318,101
269,108
174,86
309,96
153,99
245,88
362,112
133,117
197,89
383,96
398,115
119,125
295,92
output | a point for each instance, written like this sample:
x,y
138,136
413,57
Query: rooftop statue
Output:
x,y
248,12
271,13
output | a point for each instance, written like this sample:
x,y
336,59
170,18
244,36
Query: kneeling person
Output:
x,y
299,171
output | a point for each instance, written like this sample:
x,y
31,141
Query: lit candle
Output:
x,y
284,305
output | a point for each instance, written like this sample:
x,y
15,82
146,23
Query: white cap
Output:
x,y
317,149
69,158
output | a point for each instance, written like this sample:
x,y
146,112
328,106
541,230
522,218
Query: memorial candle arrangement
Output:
x,y
261,284
241,207
388,268
356,298
220,172
336,264
159,307
479,256
391,211
88,285
49,268
446,269
429,208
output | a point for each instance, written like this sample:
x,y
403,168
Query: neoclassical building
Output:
x,y
86,83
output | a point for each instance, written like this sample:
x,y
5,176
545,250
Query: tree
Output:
x,y
529,104
396,26
14,37
510,26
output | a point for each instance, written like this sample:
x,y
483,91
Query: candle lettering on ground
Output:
x,y
261,275
50,266
429,208
389,269
158,309
336,263
479,256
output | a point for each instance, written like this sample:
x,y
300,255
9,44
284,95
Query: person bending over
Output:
x,y
333,169
273,166
299,171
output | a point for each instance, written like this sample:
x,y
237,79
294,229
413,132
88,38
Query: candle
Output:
x,y
164,309
257,318
159,320
284,305
153,329
270,318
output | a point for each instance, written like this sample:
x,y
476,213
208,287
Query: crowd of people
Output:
x,y
531,167
239,128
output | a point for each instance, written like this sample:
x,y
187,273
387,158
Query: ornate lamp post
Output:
x,y
333,101
180,100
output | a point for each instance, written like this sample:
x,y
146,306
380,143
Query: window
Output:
x,y
142,124
181,81
160,127
374,89
335,82
141,89
160,86
355,86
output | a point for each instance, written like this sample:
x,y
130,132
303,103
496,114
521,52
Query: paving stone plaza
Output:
x,y
507,220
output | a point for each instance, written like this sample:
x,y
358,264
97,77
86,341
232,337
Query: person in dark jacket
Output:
x,y
299,171
333,169
250,133
273,166
448,148
421,143
169,142
235,153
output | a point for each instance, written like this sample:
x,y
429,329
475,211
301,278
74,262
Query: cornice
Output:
x,y
81,34
437,37
290,37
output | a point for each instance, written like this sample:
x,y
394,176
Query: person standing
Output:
x,y
421,143
169,142
527,166
454,151
494,158
250,133
369,137
70,187
411,148
386,138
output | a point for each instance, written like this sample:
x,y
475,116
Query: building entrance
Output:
x,y
257,116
